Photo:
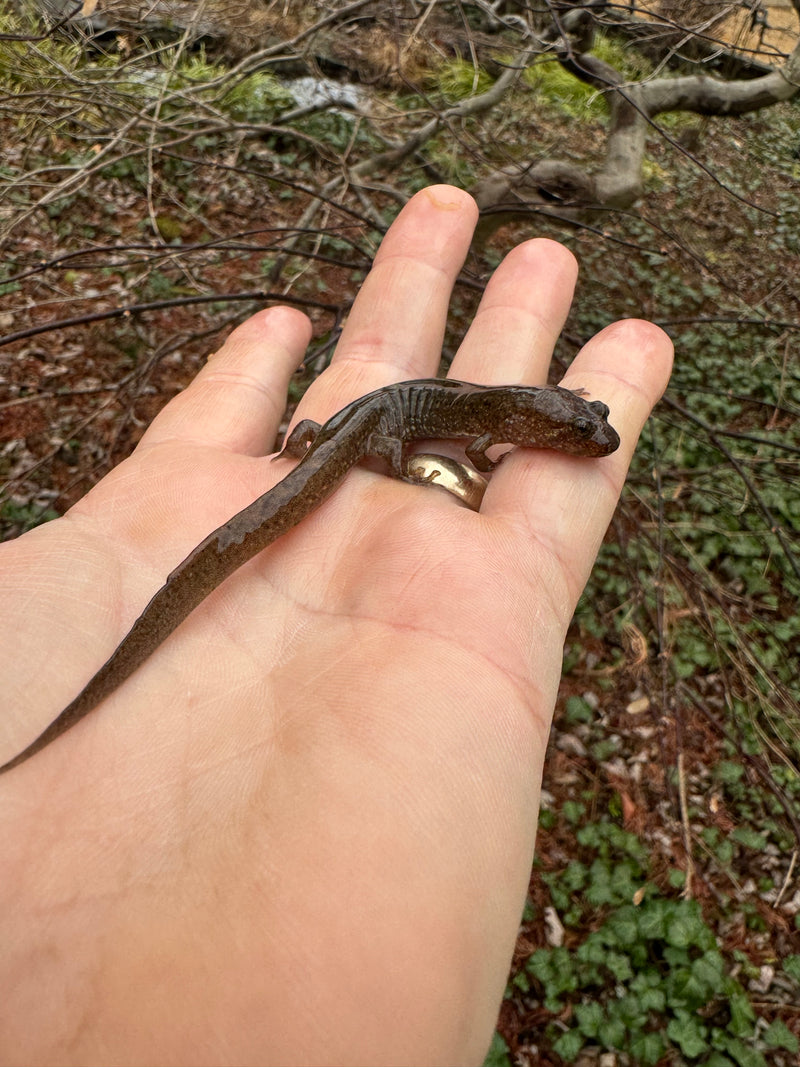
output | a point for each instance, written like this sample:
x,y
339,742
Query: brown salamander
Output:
x,y
383,424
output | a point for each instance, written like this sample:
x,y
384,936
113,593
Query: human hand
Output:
x,y
302,831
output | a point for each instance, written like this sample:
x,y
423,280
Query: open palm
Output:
x,y
302,831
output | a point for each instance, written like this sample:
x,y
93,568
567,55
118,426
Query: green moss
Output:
x,y
565,92
458,80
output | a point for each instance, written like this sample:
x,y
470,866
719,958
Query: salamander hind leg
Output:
x,y
299,440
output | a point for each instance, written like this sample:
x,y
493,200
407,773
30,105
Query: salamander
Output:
x,y
384,424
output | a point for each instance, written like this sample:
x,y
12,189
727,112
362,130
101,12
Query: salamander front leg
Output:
x,y
476,454
390,449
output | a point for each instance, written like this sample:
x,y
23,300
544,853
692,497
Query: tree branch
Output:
x,y
564,189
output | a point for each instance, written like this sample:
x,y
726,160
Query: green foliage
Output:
x,y
649,977
497,1056
758,812
621,55
573,97
707,559
457,80
778,150
159,286
617,871
335,129
24,518
778,1035
787,226
578,711
564,92
35,66
257,98
191,81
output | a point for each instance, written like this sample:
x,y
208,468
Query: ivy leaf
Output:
x,y
778,1035
689,1034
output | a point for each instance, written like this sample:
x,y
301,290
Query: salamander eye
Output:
x,y
584,427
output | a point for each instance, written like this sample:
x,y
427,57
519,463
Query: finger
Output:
x,y
395,329
565,503
627,365
238,398
520,316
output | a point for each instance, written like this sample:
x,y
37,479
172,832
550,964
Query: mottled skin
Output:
x,y
382,423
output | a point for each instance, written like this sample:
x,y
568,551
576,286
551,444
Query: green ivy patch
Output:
x,y
649,979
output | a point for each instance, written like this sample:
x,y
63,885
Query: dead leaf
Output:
x,y
636,707
636,644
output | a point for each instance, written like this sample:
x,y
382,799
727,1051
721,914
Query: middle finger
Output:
x,y
395,329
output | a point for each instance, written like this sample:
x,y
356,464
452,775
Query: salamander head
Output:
x,y
560,419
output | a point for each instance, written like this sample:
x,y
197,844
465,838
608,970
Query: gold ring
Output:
x,y
457,478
